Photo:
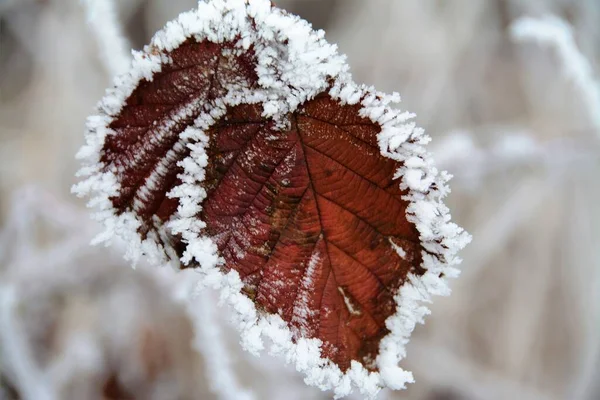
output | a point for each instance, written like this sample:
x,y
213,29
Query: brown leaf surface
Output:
x,y
148,128
306,215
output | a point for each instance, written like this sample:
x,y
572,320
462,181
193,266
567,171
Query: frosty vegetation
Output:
x,y
294,65
527,189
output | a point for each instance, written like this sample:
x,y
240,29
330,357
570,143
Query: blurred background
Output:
x,y
507,89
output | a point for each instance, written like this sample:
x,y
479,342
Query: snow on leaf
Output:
x,y
239,145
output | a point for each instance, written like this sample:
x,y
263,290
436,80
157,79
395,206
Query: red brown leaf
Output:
x,y
239,145
306,217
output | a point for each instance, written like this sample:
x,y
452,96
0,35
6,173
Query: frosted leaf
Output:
x,y
238,145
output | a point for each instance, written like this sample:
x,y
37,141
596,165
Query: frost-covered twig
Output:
x,y
510,149
15,352
470,379
209,340
19,218
556,34
82,353
585,229
104,23
502,225
17,239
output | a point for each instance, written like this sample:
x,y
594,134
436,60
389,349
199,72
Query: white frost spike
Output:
x,y
398,249
294,64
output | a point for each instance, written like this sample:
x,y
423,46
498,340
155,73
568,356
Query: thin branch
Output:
x,y
209,341
471,379
104,24
555,34
16,353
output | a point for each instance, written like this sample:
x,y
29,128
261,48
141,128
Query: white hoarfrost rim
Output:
x,y
289,74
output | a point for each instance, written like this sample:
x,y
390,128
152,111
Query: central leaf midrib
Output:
x,y
331,269
324,235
